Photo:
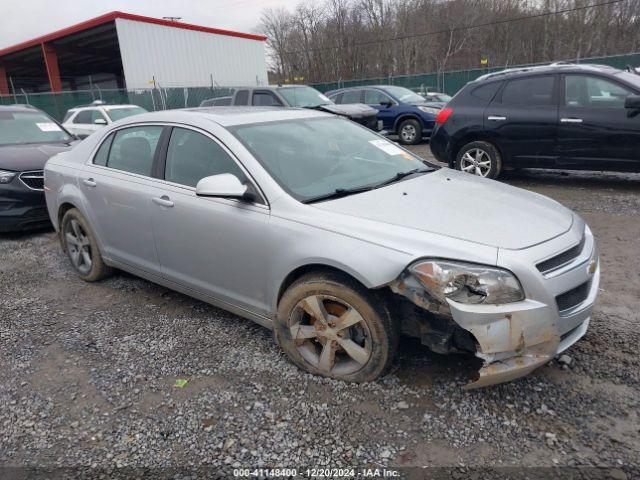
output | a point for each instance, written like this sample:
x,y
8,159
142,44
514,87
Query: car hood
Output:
x,y
429,104
462,206
351,110
33,156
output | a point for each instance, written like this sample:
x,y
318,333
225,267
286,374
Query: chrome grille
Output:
x,y
33,180
573,297
562,259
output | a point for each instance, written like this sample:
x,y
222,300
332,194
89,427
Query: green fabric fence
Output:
x,y
57,104
451,82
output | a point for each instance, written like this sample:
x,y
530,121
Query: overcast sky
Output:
x,y
22,20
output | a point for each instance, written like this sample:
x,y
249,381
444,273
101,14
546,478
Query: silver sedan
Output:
x,y
334,237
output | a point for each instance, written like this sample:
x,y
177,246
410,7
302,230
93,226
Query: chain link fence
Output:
x,y
152,99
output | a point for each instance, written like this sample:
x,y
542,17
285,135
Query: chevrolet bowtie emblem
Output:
x,y
593,266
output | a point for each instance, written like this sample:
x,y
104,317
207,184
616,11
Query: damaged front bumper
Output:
x,y
516,338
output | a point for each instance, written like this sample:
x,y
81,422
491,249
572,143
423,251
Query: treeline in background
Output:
x,y
331,40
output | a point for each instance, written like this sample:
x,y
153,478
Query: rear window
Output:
x,y
530,91
242,97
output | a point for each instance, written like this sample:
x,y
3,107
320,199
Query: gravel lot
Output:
x,y
89,370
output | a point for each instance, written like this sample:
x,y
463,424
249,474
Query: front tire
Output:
x,y
410,132
479,158
78,241
329,325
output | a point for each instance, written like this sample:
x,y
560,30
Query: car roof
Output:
x,y
101,105
228,116
19,108
546,69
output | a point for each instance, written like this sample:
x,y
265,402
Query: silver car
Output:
x,y
334,237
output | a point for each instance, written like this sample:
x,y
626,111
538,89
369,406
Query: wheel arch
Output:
x,y
468,138
319,268
407,116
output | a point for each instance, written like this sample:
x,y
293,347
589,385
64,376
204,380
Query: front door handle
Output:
x,y
496,118
163,201
89,182
570,120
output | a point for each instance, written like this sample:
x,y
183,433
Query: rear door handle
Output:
x,y
496,118
89,182
163,201
570,120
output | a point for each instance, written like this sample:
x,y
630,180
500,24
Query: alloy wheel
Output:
x,y
408,133
79,246
330,334
476,161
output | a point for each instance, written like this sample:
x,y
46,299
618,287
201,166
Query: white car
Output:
x,y
83,120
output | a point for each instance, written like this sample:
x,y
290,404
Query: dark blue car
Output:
x,y
403,112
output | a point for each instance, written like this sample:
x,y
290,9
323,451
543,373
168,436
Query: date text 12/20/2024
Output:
x,y
315,473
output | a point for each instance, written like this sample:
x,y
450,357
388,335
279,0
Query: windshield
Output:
x,y
405,95
439,97
116,114
30,127
312,158
303,97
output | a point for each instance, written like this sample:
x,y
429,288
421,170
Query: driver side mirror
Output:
x,y
386,103
224,185
100,121
632,102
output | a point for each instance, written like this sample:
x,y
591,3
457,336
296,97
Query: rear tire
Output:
x,y
410,132
79,243
330,325
479,158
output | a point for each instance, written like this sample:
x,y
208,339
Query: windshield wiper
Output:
x,y
339,193
400,175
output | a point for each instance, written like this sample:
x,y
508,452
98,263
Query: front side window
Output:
x,y
192,156
405,95
265,99
313,158
375,97
531,91
593,92
29,127
84,117
116,114
133,149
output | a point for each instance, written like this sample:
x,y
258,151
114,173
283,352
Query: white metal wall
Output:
x,y
185,58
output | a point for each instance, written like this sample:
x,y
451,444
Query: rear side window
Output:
x,y
351,96
133,149
531,91
242,97
265,99
486,92
191,156
102,154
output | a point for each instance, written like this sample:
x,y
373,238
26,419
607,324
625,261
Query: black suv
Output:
x,y
28,138
582,117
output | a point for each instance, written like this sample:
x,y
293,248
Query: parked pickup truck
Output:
x,y
299,96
